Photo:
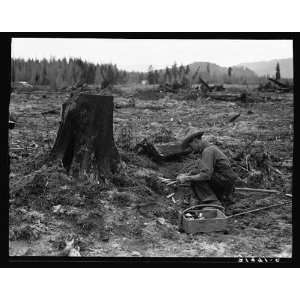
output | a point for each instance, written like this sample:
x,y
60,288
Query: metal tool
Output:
x,y
259,209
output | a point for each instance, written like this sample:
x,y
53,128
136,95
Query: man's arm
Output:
x,y
203,176
206,169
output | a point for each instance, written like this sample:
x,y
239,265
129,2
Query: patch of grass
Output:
x,y
122,199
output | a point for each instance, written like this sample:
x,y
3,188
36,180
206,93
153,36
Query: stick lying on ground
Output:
x,y
164,180
262,191
172,182
171,195
257,190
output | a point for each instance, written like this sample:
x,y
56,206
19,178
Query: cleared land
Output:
x,y
132,216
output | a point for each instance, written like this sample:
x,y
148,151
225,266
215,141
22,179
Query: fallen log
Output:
x,y
161,152
278,83
167,151
225,96
232,97
281,86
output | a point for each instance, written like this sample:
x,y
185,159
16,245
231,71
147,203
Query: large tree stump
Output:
x,y
85,141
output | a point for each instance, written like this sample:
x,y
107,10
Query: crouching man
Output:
x,y
212,178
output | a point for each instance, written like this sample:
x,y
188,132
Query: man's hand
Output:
x,y
182,178
240,182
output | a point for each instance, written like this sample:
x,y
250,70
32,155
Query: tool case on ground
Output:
x,y
203,218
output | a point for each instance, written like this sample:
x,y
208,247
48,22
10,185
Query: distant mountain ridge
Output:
x,y
214,68
214,72
265,68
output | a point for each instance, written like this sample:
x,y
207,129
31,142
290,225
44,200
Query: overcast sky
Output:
x,y
138,54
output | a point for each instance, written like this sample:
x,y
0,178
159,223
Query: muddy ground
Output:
x,y
131,216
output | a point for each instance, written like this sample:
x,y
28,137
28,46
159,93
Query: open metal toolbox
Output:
x,y
212,219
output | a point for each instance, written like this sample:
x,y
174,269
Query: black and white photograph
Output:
x,y
151,148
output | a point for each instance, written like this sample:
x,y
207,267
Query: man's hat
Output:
x,y
188,139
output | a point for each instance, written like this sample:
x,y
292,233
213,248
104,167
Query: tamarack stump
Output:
x,y
84,140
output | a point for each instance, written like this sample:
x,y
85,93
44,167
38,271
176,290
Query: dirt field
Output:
x,y
132,216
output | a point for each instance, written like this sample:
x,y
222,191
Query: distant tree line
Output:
x,y
59,73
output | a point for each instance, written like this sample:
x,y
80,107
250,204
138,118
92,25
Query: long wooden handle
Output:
x,y
257,190
259,209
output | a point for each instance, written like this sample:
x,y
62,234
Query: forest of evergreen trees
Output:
x,y
60,73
